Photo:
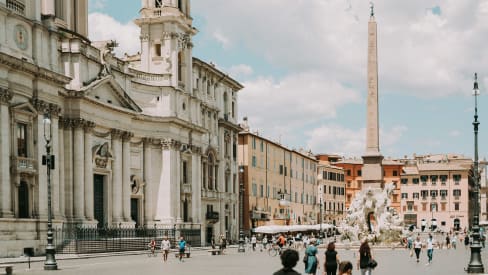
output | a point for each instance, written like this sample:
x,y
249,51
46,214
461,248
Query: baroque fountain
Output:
x,y
371,217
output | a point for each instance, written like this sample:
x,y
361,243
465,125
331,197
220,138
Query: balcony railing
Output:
x,y
24,165
149,76
16,6
212,215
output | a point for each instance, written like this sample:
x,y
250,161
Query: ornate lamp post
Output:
x,y
48,160
241,209
475,265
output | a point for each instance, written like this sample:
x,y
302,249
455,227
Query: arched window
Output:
x,y
23,200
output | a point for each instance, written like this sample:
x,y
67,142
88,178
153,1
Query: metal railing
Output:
x,y
16,6
79,240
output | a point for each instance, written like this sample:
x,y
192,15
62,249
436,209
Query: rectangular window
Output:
x,y
261,191
359,173
157,49
262,146
410,205
443,179
415,195
443,206
433,179
424,194
395,173
185,174
443,193
21,140
281,169
404,195
324,175
404,181
254,161
254,190
456,192
456,178
415,180
433,193
456,206
348,172
253,143
424,179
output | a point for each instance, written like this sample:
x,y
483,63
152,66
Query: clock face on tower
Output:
x,y
21,37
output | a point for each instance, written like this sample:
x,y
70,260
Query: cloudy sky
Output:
x,y
303,65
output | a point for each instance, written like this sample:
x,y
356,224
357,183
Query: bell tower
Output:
x,y
166,40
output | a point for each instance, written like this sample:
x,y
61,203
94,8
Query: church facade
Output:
x,y
145,140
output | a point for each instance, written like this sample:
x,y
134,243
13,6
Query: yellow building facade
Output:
x,y
279,184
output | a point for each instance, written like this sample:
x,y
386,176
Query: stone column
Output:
x,y
60,168
5,184
126,190
166,198
177,183
196,188
78,170
68,167
149,183
116,176
55,172
88,156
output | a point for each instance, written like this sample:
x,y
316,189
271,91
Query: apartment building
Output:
x,y
331,190
279,184
436,189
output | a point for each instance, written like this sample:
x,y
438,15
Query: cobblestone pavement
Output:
x,y
391,261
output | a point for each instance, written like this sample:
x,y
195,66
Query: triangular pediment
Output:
x,y
108,91
25,108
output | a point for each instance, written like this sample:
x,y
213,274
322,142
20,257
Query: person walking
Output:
x,y
365,256
289,259
253,242
331,260
454,241
182,246
312,262
165,246
417,246
152,246
466,240
430,249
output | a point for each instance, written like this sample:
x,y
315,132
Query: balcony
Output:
x,y
212,217
22,165
284,203
281,216
16,6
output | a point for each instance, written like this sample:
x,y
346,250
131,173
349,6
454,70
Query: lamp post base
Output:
x,y
50,263
475,265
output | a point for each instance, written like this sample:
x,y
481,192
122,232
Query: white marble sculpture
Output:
x,y
370,216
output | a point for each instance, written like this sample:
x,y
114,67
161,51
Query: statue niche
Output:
x,y
101,155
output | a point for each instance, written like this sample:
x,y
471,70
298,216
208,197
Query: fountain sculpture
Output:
x,y
370,216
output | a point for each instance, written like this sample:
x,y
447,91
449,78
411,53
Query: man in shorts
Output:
x,y
182,246
165,246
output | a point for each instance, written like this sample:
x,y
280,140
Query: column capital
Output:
x,y
126,136
78,123
89,126
168,144
5,95
45,107
116,133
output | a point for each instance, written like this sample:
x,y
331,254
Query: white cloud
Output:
x,y
222,39
97,4
336,139
283,106
420,53
454,133
104,27
240,70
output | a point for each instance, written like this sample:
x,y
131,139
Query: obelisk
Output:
x,y
372,171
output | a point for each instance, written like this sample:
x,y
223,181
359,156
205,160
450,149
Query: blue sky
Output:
x,y
303,65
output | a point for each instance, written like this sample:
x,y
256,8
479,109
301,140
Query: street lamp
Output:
x,y
475,265
241,210
48,160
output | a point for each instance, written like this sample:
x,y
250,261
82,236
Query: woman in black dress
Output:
x,y
331,259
